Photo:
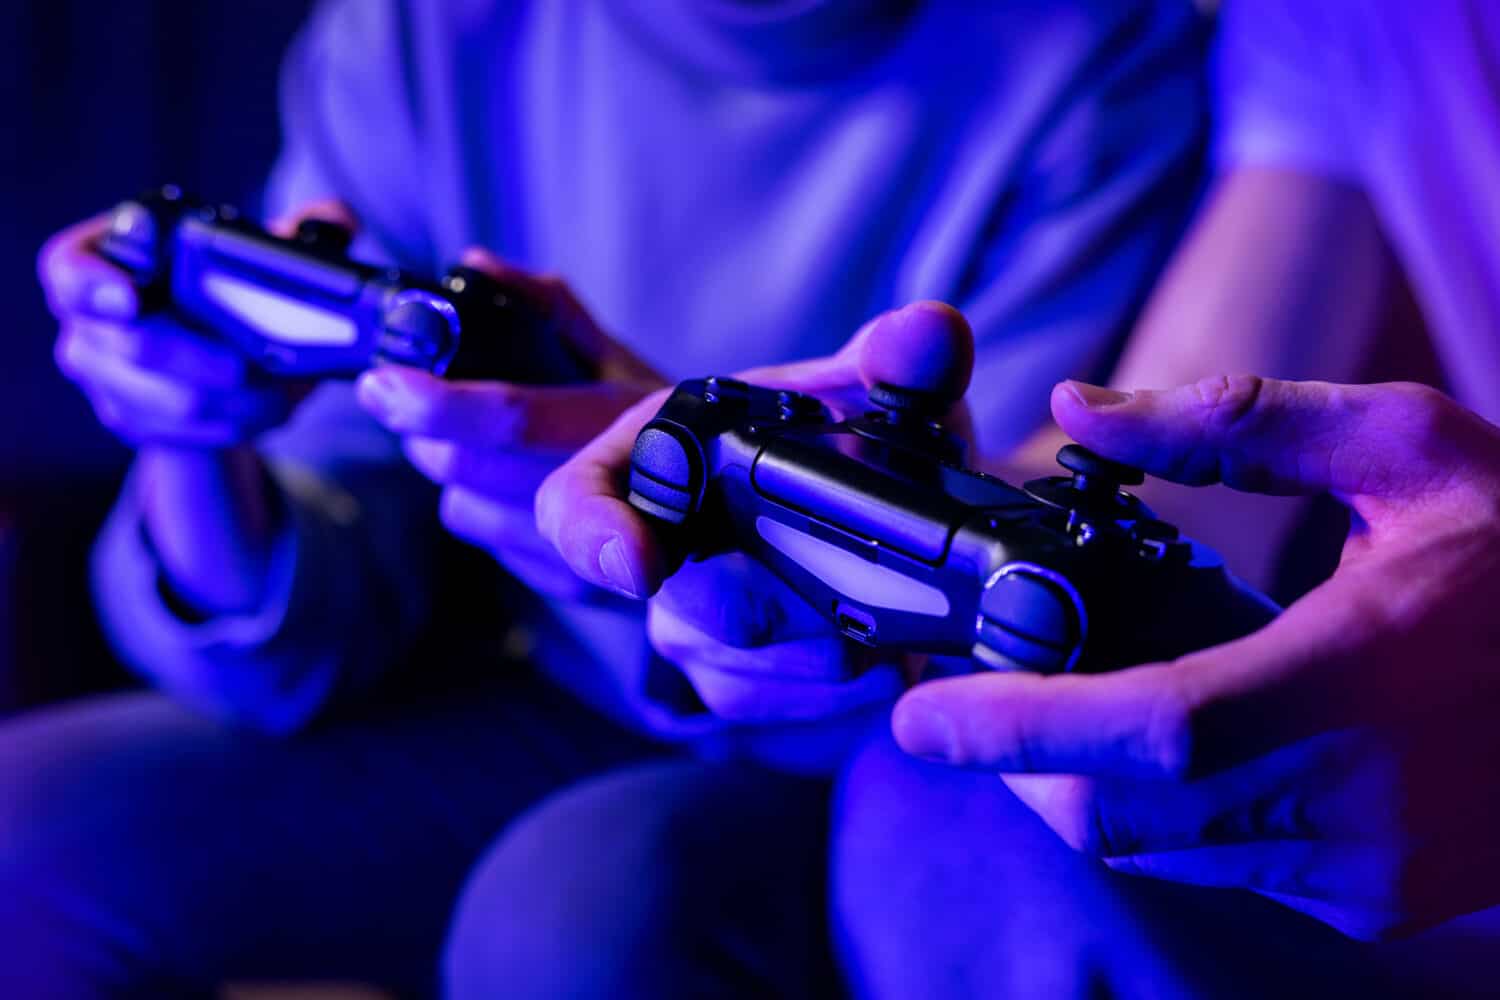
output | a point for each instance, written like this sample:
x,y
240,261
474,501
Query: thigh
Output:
x,y
944,884
147,851
679,879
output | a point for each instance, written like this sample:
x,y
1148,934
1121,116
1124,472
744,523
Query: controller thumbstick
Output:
x,y
1093,474
417,329
326,238
902,402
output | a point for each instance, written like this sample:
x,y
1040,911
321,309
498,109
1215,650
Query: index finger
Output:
x,y
1298,676
1361,442
78,280
580,509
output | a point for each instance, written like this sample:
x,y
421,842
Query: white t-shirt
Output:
x,y
1401,97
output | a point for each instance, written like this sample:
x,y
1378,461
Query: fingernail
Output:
x,y
378,391
1096,396
111,299
616,568
433,459
922,730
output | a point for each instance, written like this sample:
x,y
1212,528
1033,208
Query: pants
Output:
x,y
946,885
671,880
147,852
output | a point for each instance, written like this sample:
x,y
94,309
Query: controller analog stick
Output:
x,y
1094,472
899,401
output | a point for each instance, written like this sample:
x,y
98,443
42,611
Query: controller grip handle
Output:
x,y
507,336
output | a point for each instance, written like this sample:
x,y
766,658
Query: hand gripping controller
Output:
x,y
875,522
300,307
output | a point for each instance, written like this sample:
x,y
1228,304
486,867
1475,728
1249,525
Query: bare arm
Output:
x,y
1284,274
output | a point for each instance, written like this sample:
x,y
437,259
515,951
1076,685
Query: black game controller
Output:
x,y
875,522
300,307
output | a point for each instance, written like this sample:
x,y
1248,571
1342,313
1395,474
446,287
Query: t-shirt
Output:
x,y
724,184
1401,98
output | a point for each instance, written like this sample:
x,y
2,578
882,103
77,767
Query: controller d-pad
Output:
x,y
671,487
416,331
1029,621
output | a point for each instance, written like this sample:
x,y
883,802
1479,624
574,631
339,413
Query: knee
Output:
x,y
580,897
943,883
78,832
621,886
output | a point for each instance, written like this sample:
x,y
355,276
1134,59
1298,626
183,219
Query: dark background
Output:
x,y
104,100
101,100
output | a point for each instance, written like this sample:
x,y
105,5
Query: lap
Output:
x,y
141,842
672,879
944,882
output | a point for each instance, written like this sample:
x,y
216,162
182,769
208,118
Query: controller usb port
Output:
x,y
854,623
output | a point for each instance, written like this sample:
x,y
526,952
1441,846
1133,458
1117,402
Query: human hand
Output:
x,y
1342,759
490,444
152,379
752,648
190,402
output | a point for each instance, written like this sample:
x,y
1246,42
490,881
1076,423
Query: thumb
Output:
x,y
326,210
1393,441
925,347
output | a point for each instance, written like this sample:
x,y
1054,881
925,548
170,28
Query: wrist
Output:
x,y
213,519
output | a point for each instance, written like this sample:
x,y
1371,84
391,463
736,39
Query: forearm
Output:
x,y
213,519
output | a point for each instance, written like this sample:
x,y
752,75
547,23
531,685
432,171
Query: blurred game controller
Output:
x,y
300,307
877,524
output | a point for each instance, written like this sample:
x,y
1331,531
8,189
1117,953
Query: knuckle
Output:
x,y
1404,888
454,514
1095,827
185,404
1434,423
63,353
1226,401
1168,744
553,285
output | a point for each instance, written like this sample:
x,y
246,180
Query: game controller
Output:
x,y
875,522
300,307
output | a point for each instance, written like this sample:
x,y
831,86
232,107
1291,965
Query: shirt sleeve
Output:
x,y
351,574
1277,88
1092,210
